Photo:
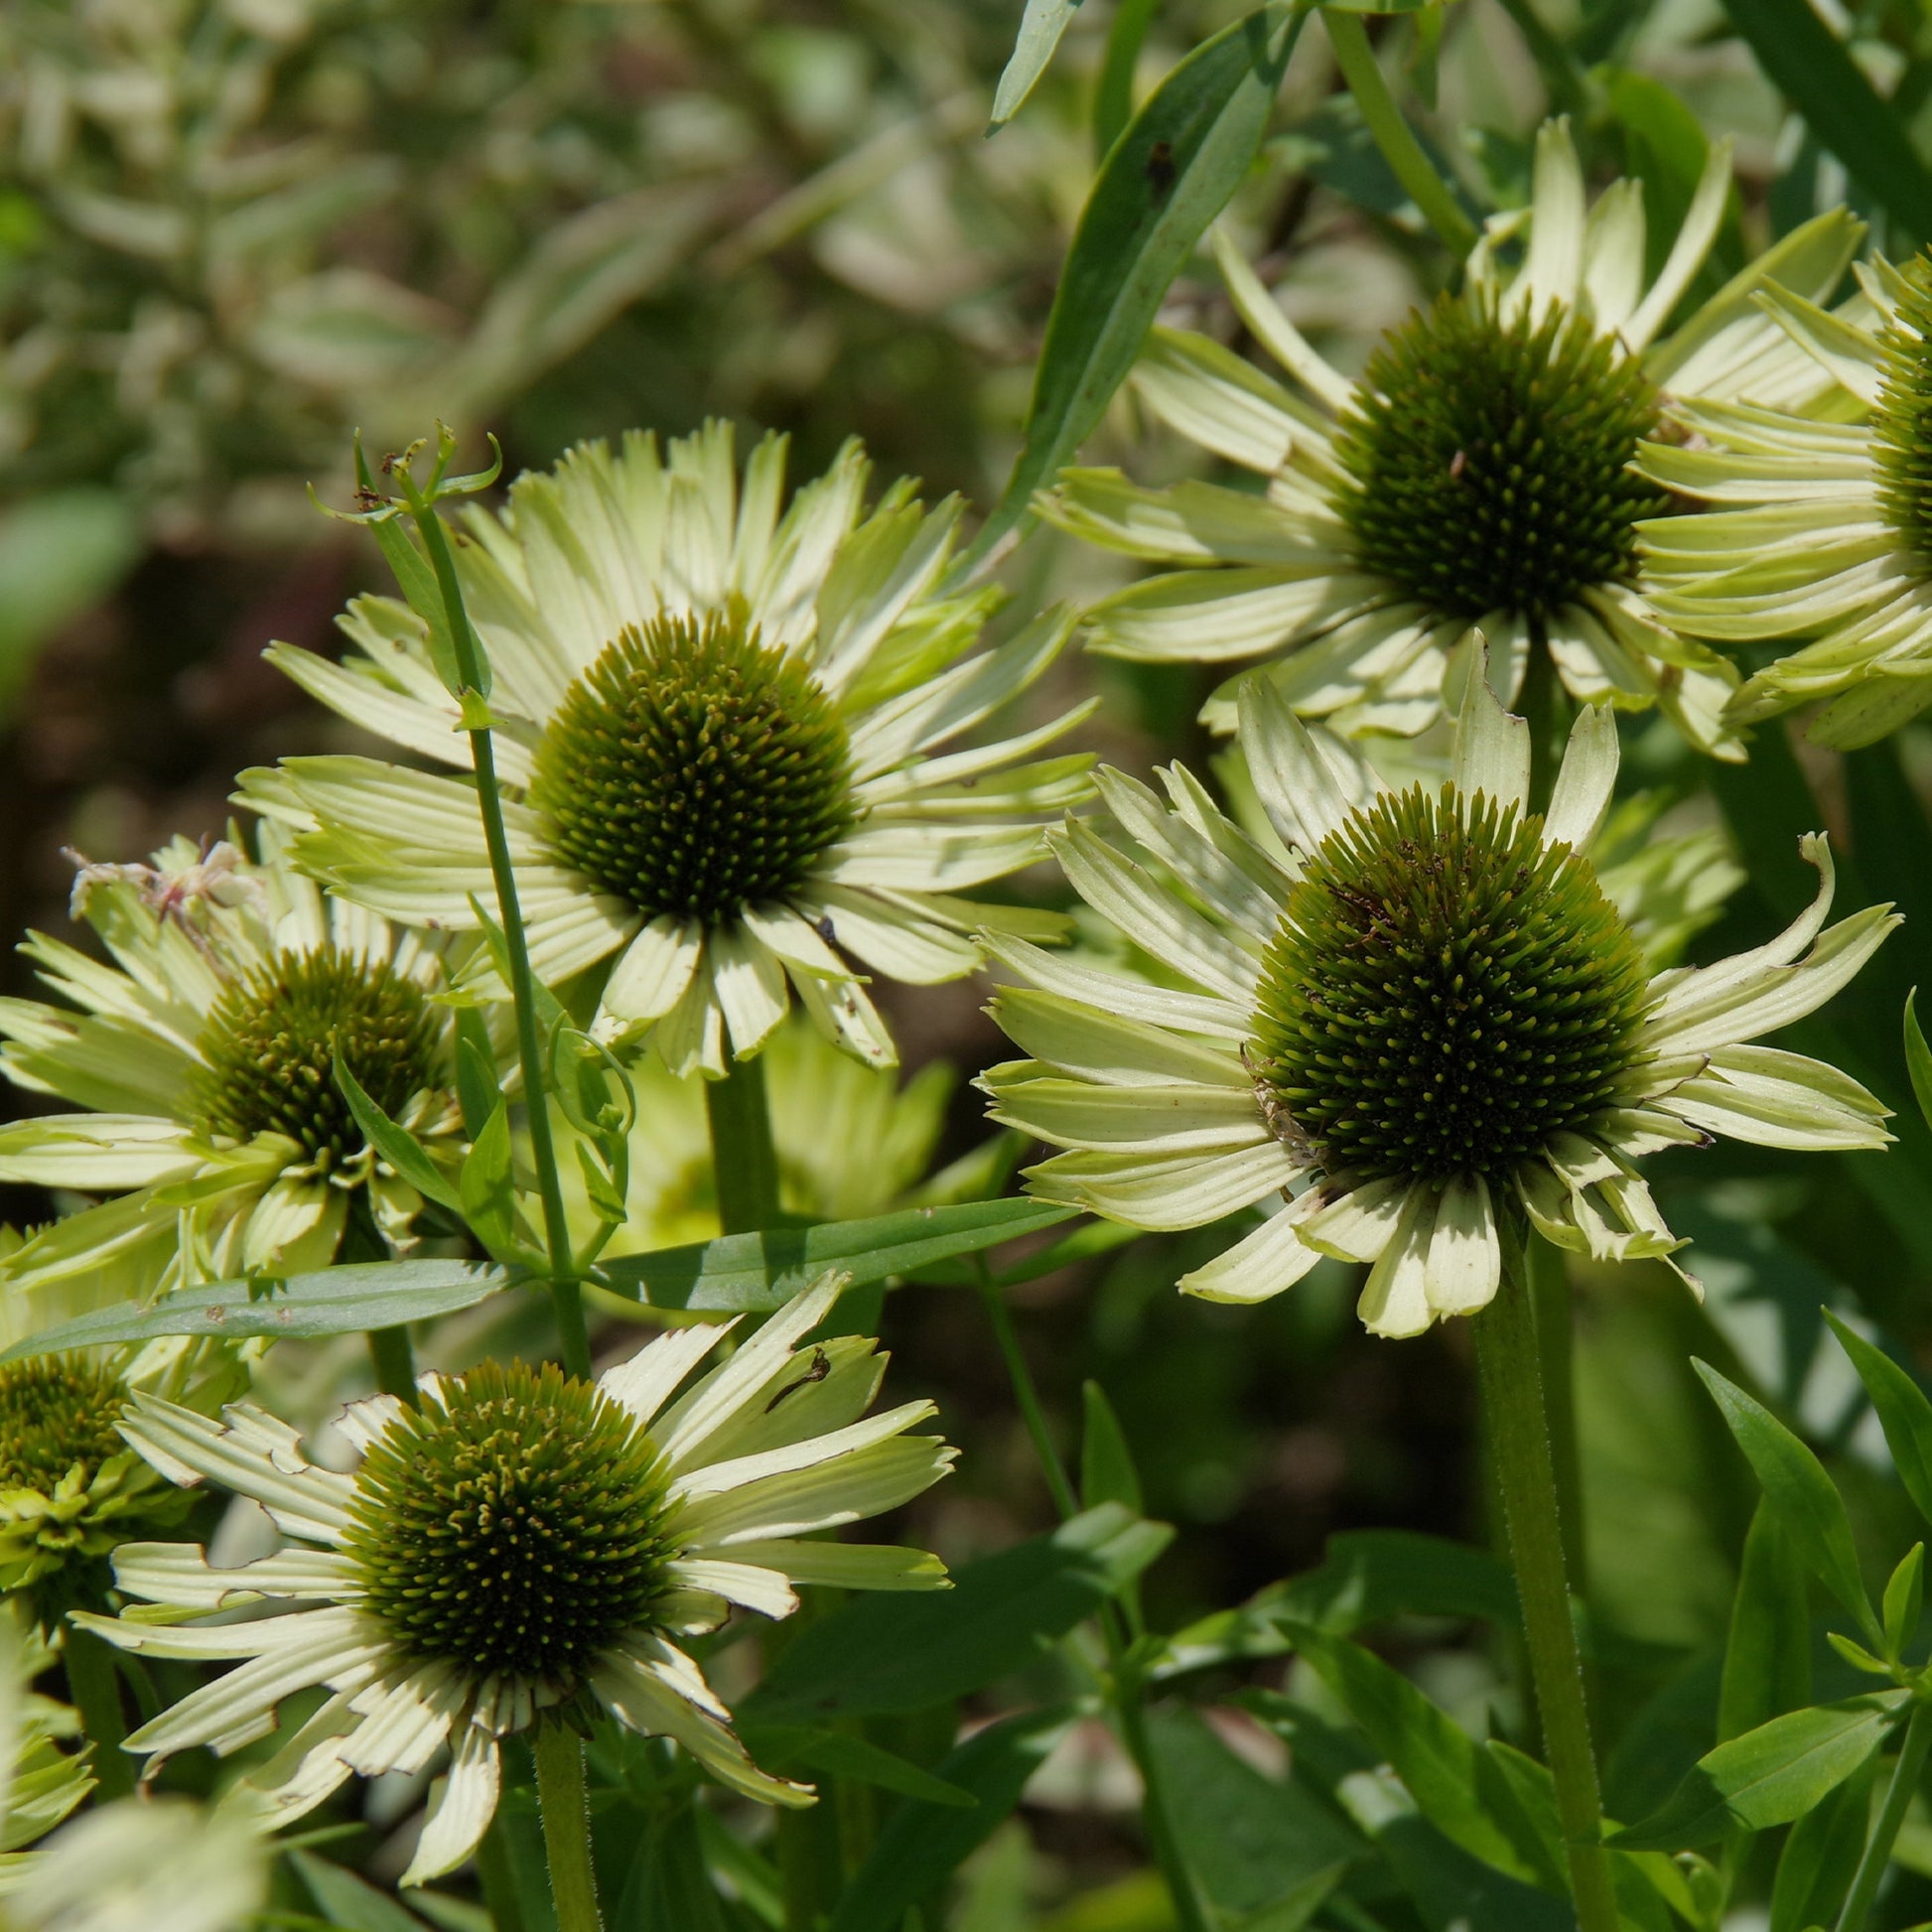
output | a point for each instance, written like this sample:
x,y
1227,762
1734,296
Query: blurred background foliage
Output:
x,y
233,230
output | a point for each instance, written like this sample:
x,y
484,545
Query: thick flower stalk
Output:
x,y
1428,1020
202,1057
723,719
1815,533
1474,484
523,1550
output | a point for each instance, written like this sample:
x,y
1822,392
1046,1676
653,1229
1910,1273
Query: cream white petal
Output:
x,y
654,970
1464,1264
638,1698
1358,1224
649,1379
188,1447
1585,781
1553,267
1273,330
1208,1014
1491,752
746,1584
751,988
1394,1297
863,1482
180,1573
1774,1098
1308,783
683,1432
844,1565
717,1478
1165,1192
405,1719
1687,255
461,1809
1085,1039
1259,1266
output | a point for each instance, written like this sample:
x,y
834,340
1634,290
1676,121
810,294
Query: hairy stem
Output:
x,y
567,1293
1400,148
94,1685
745,1164
566,1810
1884,1833
1125,1692
1512,1395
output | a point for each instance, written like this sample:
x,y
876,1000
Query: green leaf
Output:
x,y
1257,1843
783,1747
1904,1600
1665,148
486,1190
1904,1413
60,551
922,1844
396,1145
1767,1660
417,582
1369,1576
669,1883
1040,28
1804,58
763,1271
1107,1473
1768,1776
476,1070
351,1902
903,1653
343,1300
1796,1487
1166,178
1918,1057
1821,1857
1458,1786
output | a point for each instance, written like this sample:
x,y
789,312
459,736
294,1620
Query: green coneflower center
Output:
x,y
1488,460
1901,424
694,770
1444,993
269,1046
57,1410
513,1523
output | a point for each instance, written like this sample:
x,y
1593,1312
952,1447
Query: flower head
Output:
x,y
70,1488
1473,483
204,1057
523,1548
1425,1021
723,724
1815,531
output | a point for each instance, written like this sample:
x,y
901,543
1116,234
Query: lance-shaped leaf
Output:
x,y
763,1271
332,1302
1904,1413
1040,28
1771,1775
1803,1495
1165,179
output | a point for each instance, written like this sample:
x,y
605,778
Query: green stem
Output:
x,y
94,1685
567,1292
1544,706
565,1806
1898,1798
395,1364
1549,1280
1400,148
391,1353
1125,1685
1512,1394
745,1163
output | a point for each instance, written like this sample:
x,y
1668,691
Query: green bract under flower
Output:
x,y
269,1048
1470,493
203,1063
515,1523
521,1545
1487,459
1404,1020
1445,993
694,770
734,734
